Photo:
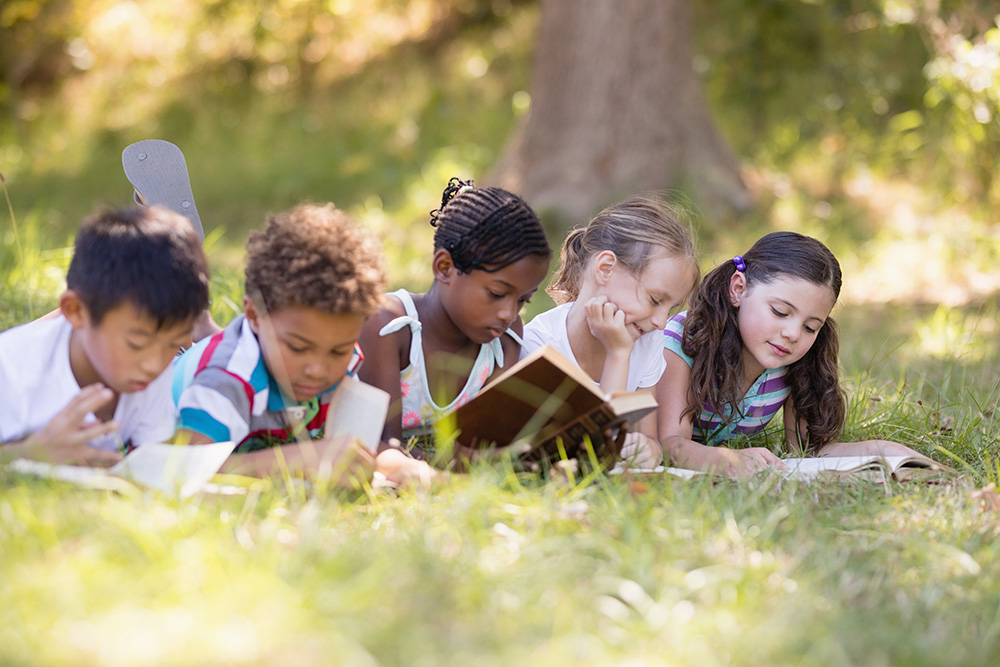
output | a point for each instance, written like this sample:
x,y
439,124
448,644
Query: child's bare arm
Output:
x,y
676,428
340,459
65,438
381,367
607,324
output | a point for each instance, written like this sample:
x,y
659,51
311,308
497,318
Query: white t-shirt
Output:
x,y
645,366
36,382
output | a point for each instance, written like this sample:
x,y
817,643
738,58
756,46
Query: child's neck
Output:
x,y
440,333
751,371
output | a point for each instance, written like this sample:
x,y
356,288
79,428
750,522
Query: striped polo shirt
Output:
x,y
761,402
223,390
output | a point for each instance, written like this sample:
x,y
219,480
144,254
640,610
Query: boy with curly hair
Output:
x,y
266,380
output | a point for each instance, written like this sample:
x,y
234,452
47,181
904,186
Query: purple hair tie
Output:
x,y
740,264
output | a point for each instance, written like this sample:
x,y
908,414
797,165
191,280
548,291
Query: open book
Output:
x,y
833,468
173,469
546,396
874,468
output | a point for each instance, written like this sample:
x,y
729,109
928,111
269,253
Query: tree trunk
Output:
x,y
617,109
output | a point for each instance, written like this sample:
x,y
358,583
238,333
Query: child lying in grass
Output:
x,y
96,376
266,380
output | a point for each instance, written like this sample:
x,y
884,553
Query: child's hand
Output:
x,y
641,451
740,462
607,324
400,468
341,460
65,438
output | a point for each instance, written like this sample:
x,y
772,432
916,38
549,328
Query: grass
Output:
x,y
497,568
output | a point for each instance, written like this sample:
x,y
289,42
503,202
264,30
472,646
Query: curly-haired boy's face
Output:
x,y
306,350
484,304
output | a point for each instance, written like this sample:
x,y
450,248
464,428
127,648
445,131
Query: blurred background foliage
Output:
x,y
871,124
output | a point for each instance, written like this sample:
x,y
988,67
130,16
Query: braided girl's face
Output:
x,y
484,304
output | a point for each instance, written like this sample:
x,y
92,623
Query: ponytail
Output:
x,y
565,285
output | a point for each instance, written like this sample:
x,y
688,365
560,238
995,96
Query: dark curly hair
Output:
x,y
712,337
150,257
486,228
314,256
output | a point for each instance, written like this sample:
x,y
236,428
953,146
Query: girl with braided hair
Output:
x,y
758,337
618,280
434,351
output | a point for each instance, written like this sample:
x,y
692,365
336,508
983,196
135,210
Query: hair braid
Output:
x,y
486,228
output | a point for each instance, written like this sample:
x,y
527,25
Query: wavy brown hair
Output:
x,y
712,338
634,230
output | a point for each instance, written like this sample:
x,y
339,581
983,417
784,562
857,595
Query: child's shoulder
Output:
x,y
33,342
392,307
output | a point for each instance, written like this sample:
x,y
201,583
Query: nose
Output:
x,y
508,311
660,316
791,332
314,369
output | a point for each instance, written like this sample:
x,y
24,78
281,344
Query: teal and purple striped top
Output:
x,y
761,402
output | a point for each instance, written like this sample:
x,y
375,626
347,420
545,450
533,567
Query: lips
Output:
x,y
306,390
779,350
137,386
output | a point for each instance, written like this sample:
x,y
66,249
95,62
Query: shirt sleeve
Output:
x,y
532,337
673,335
653,363
216,404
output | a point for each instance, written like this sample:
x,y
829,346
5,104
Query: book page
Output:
x,y
93,478
358,409
174,469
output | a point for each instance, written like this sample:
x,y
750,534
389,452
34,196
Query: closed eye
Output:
x,y
778,313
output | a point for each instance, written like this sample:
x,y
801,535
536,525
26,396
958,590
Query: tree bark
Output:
x,y
617,109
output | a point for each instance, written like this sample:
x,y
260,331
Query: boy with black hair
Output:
x,y
95,379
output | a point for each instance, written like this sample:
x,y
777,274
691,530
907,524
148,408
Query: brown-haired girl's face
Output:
x,y
779,320
483,304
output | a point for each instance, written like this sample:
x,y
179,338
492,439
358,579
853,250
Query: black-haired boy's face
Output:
x,y
125,351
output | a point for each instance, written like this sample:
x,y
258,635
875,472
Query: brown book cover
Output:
x,y
545,396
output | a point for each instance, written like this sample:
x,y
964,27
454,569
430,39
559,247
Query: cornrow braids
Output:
x,y
486,228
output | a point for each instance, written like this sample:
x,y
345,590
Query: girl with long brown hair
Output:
x,y
758,338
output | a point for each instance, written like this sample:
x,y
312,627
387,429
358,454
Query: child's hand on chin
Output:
x,y
607,324
641,451
65,438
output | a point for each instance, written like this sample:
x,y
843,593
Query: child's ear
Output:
x,y
253,316
443,266
604,265
73,309
737,288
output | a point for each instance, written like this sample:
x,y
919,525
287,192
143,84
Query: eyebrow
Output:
x,y
821,320
302,339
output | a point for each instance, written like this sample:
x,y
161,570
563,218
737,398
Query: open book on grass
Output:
x,y
173,469
546,396
874,468
833,468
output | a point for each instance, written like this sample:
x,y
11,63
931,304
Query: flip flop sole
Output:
x,y
158,172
